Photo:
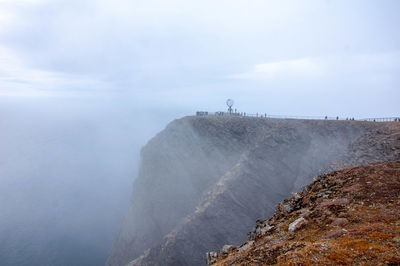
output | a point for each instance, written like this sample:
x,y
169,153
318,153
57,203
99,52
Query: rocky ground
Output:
x,y
351,216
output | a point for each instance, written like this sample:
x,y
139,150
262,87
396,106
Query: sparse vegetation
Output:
x,y
353,217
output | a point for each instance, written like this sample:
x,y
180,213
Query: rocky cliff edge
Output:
x,y
348,217
203,181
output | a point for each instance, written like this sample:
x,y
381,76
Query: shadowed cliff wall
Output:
x,y
203,181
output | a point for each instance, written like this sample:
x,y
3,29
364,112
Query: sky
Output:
x,y
278,57
84,84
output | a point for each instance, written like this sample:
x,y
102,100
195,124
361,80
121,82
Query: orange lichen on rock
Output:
x,y
350,216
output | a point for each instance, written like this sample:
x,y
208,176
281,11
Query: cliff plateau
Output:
x,y
203,181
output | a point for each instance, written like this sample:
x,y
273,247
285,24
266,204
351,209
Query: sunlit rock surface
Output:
x,y
203,181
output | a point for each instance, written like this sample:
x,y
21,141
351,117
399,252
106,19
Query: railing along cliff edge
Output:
x,y
264,115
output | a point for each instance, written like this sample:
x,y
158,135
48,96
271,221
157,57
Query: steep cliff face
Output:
x,y
203,181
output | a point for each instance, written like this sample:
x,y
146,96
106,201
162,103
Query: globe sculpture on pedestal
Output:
x,y
229,103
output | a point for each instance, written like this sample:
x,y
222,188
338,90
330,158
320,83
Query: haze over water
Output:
x,y
84,85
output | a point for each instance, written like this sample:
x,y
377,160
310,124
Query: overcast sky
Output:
x,y
279,57
85,83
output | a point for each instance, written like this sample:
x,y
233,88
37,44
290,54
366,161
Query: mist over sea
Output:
x,y
66,172
85,84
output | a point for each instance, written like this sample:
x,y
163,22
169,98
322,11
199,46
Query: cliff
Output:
x,y
346,217
203,181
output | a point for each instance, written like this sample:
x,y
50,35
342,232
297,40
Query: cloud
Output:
x,y
18,79
297,68
174,50
9,10
356,67
153,44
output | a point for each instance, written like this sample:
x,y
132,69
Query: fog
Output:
x,y
84,84
67,168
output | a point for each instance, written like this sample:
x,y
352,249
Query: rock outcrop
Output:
x,y
348,217
203,181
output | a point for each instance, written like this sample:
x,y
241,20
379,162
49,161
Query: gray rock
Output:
x,y
287,207
265,229
297,224
226,248
246,246
211,257
203,181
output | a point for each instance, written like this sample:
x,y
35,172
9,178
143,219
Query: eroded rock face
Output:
x,y
203,181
